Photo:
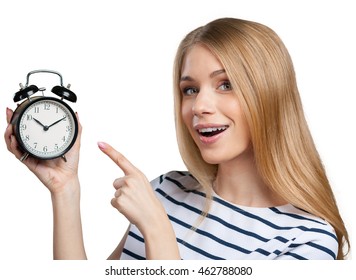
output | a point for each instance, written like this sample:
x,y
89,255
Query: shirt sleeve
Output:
x,y
314,244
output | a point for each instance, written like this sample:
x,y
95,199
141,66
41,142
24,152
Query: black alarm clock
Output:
x,y
45,127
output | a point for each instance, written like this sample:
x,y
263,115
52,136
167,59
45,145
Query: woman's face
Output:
x,y
210,108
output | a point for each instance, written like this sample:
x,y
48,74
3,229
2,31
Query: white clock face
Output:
x,y
47,128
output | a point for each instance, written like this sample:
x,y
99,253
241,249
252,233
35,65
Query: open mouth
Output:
x,y
211,131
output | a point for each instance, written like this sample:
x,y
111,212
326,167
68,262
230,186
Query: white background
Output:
x,y
118,56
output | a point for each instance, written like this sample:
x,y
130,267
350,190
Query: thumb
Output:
x,y
126,166
9,114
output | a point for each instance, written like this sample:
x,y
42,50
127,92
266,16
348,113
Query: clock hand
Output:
x,y
45,127
55,123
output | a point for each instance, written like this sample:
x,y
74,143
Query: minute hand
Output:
x,y
55,122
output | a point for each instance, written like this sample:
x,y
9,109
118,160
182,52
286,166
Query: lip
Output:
x,y
212,139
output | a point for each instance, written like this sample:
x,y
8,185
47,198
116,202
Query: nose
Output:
x,y
204,103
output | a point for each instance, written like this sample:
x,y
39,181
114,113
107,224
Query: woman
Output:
x,y
255,186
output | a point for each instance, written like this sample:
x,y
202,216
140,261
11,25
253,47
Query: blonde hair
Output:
x,y
261,72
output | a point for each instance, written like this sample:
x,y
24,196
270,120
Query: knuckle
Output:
x,y
117,193
116,183
114,203
117,203
120,158
129,181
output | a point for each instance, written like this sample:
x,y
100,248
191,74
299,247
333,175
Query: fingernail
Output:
x,y
101,145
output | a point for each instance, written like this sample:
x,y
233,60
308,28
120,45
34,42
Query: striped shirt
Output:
x,y
230,231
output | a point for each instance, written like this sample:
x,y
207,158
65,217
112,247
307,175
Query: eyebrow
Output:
x,y
212,75
217,72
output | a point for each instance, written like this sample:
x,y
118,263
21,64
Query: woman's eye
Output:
x,y
225,86
190,91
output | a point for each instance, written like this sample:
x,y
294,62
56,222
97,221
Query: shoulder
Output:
x,y
179,191
182,180
314,238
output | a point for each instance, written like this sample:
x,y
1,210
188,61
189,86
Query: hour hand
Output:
x,y
41,124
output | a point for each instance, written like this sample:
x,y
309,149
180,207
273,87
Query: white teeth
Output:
x,y
211,129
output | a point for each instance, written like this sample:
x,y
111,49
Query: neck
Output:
x,y
239,182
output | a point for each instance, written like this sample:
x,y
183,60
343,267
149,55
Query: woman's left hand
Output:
x,y
134,196
136,200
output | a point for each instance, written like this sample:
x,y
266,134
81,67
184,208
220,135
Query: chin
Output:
x,y
212,158
224,156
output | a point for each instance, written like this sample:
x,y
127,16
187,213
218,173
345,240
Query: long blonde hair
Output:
x,y
261,72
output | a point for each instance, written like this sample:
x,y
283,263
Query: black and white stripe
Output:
x,y
235,232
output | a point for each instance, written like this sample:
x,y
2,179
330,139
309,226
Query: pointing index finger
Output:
x,y
126,166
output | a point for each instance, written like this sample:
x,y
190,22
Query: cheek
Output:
x,y
233,111
187,113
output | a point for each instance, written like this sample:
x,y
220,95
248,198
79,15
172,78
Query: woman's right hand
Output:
x,y
55,174
61,179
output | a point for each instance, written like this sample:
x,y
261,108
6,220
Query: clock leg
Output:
x,y
24,157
